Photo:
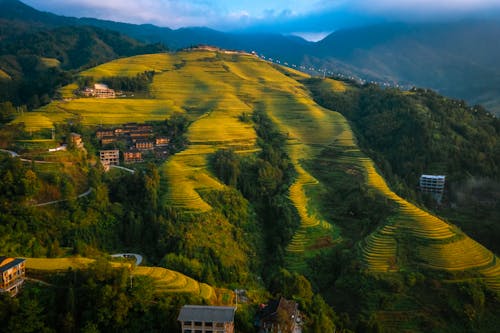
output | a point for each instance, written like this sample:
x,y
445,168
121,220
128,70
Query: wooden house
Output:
x,y
144,144
12,274
132,156
279,315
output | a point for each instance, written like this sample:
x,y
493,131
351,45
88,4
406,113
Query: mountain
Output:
x,y
267,191
457,59
37,51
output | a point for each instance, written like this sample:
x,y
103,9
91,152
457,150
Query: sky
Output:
x,y
312,19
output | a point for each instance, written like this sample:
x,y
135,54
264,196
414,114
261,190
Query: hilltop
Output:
x,y
272,193
458,59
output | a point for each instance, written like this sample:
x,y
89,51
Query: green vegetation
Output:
x,y
266,191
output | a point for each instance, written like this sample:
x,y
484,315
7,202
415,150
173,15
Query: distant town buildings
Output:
x,y
99,91
207,319
433,184
279,316
12,273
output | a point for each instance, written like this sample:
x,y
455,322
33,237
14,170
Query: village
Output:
x,y
136,143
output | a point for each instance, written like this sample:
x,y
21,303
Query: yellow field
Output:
x,y
166,281
442,246
133,66
4,75
51,62
34,121
57,264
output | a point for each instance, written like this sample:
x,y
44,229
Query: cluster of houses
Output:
x,y
139,138
278,316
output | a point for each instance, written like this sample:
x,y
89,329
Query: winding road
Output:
x,y
138,257
84,194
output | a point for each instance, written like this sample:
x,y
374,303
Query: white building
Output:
x,y
433,184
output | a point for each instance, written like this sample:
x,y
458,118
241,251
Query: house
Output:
x,y
162,141
102,91
132,156
280,315
76,140
12,274
433,184
103,133
205,319
106,140
109,157
134,136
143,144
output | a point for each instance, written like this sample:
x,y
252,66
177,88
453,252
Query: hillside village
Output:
x,y
138,142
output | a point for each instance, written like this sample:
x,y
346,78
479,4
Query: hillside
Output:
x,y
269,180
38,51
458,59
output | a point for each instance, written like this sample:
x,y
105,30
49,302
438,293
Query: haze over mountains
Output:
x,y
458,59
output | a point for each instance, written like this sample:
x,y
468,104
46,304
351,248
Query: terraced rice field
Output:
x,y
51,62
439,245
4,75
166,281
57,264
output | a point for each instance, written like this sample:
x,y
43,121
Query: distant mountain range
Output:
x,y
458,59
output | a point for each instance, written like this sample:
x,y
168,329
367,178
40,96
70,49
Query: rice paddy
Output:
x,y
439,245
165,280
51,62
213,90
4,75
57,264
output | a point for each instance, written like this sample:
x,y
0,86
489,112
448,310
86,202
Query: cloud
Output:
x,y
285,16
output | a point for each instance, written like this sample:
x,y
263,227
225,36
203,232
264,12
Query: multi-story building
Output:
x,y
109,157
207,319
143,144
132,156
433,184
102,91
12,273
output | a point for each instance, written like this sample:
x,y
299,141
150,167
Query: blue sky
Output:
x,y
309,18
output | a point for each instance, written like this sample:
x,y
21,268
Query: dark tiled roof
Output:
x,y
11,264
218,314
